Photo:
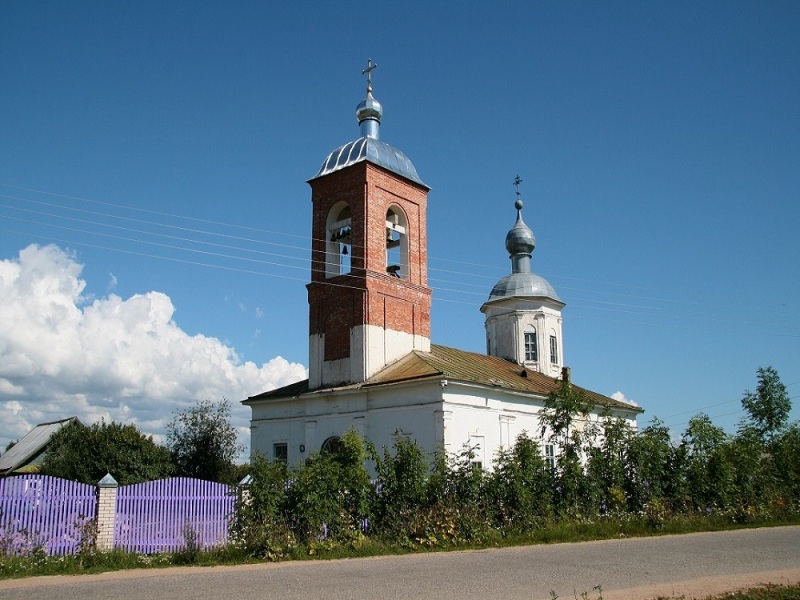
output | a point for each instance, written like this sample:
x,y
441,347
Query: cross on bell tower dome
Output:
x,y
369,300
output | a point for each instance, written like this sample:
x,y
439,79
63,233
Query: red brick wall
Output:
x,y
368,295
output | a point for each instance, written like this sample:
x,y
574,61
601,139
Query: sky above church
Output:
x,y
155,217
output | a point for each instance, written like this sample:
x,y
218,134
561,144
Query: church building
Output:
x,y
372,366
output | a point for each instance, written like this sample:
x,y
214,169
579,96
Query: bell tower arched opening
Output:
x,y
338,240
396,243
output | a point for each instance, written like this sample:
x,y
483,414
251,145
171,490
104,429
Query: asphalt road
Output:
x,y
693,565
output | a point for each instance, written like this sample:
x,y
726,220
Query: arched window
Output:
x,y
553,348
331,445
531,347
338,244
396,243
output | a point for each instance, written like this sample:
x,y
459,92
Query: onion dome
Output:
x,y
368,113
522,283
520,238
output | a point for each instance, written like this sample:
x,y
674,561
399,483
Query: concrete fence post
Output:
x,y
244,490
106,512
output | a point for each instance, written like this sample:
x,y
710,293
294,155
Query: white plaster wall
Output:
x,y
431,413
506,323
371,349
385,346
263,434
495,416
414,411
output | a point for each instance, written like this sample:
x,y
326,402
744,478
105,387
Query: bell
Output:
x,y
344,249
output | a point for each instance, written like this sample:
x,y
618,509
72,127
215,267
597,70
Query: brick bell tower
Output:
x,y
369,300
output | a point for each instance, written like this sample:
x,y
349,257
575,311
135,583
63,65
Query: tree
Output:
x,y
561,425
652,457
330,493
401,479
787,463
259,525
709,474
768,407
521,487
608,467
86,453
203,442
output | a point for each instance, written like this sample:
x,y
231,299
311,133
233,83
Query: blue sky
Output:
x,y
163,148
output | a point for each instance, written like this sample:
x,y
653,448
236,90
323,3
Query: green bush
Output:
x,y
399,487
520,488
86,453
607,480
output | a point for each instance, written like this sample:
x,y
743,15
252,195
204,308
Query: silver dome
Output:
x,y
520,238
371,150
369,108
523,285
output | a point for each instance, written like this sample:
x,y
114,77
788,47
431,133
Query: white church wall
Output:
x,y
416,423
377,414
502,339
371,349
433,414
385,346
493,418
409,410
265,434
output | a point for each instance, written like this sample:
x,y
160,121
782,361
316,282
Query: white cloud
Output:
x,y
63,354
112,282
620,397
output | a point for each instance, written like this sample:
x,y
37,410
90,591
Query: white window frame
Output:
x,y
530,335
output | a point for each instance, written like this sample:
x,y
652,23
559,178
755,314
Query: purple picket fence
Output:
x,y
169,514
38,511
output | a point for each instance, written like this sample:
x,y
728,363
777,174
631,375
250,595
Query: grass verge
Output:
x,y
89,561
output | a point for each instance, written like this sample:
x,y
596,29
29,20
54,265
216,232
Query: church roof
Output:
x,y
523,285
443,362
371,150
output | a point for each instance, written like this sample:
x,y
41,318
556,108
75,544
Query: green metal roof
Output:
x,y
455,365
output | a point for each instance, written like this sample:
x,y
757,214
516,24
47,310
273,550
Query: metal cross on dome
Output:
x,y
517,181
368,72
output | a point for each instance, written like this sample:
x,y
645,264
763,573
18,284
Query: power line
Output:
x,y
711,417
459,286
700,409
471,273
608,306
